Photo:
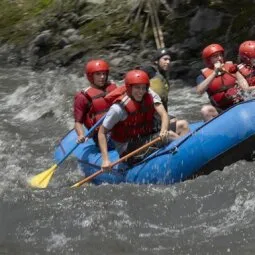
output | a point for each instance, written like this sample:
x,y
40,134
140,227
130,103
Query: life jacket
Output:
x,y
222,91
160,85
139,121
97,104
248,73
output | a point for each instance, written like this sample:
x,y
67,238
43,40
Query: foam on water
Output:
x,y
241,213
181,219
57,242
184,101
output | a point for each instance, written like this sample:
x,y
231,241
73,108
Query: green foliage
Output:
x,y
16,18
20,20
108,25
38,6
10,14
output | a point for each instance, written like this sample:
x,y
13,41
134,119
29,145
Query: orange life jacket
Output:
x,y
222,91
140,116
97,103
248,73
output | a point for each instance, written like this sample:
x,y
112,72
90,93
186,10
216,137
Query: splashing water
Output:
x,y
209,215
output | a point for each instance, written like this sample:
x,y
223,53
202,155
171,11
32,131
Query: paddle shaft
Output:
x,y
42,180
87,135
68,154
89,178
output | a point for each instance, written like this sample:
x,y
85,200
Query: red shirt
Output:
x,y
80,107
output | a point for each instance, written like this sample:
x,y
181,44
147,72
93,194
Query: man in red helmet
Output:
x,y
89,103
130,118
221,80
247,66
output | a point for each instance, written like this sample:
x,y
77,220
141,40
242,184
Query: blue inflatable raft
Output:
x,y
209,146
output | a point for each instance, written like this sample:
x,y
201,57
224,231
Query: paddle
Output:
x,y
42,180
78,184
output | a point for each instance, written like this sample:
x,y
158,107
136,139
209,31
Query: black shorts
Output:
x,y
157,124
172,125
137,143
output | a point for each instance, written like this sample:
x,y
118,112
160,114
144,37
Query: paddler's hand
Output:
x,y
233,68
218,65
163,135
81,139
106,165
218,68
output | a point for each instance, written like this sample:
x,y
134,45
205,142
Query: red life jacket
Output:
x,y
140,116
97,103
248,73
222,91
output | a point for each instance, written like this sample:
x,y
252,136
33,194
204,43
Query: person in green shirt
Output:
x,y
158,73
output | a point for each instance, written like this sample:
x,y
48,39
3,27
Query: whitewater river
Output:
x,y
212,214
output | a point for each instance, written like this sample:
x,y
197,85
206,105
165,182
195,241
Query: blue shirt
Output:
x,y
200,78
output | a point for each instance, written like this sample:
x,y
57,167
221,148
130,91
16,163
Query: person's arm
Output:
x,y
250,88
106,164
163,115
164,133
113,116
242,82
79,110
203,86
164,120
155,96
160,109
80,132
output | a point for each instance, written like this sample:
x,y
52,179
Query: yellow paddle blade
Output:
x,y
76,185
42,180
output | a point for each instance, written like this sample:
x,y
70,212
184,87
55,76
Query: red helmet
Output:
x,y
247,51
136,77
95,66
211,49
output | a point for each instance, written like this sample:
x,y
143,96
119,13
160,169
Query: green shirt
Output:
x,y
160,85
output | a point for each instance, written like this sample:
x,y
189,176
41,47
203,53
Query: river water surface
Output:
x,y
212,214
